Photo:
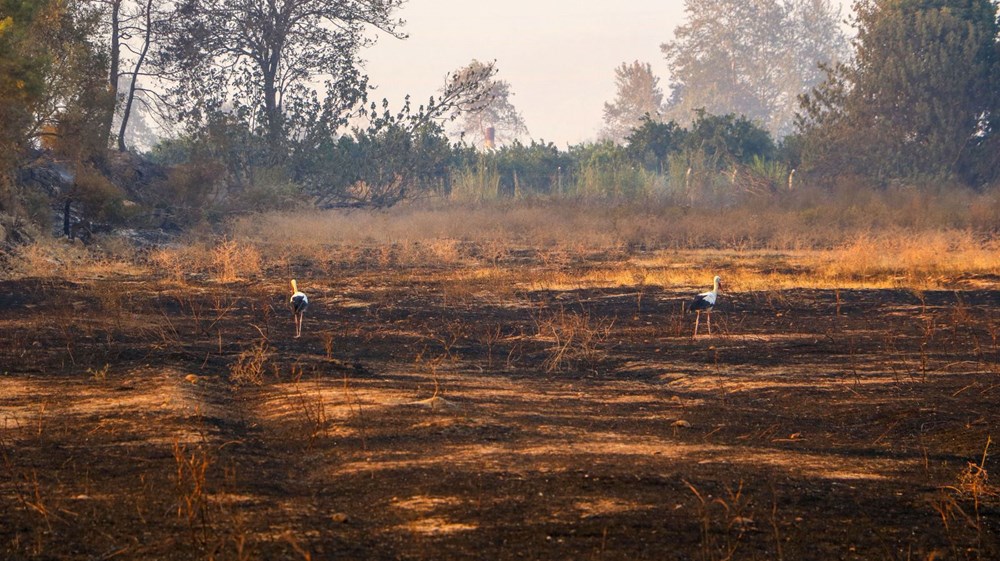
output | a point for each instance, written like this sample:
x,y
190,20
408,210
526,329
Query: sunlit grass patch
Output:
x,y
70,261
923,260
570,244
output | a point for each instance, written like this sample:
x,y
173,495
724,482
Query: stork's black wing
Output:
x,y
299,303
701,302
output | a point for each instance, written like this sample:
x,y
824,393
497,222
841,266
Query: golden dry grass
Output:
x,y
861,239
71,261
225,261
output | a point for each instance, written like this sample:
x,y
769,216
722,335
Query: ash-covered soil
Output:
x,y
420,417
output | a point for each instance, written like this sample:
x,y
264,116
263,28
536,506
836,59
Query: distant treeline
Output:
x,y
388,166
917,104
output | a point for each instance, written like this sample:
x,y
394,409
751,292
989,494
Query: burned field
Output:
x,y
427,414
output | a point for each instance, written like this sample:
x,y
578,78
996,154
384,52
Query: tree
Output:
x,y
22,69
141,36
750,58
22,86
51,84
257,59
492,110
639,96
538,167
818,40
132,31
921,98
652,141
398,155
53,92
723,141
396,163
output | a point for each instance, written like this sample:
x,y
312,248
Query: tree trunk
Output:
x,y
272,105
127,110
114,67
271,111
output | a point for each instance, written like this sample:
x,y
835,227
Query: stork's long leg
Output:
x,y
697,318
708,316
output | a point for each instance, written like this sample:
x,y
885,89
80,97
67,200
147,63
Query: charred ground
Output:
x,y
422,416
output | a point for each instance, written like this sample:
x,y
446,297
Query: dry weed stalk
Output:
x,y
249,367
113,301
677,324
234,261
190,482
313,408
296,546
432,365
262,310
27,492
351,397
490,337
775,527
167,333
576,337
454,332
928,331
70,333
221,306
734,522
328,344
640,277
973,482
99,374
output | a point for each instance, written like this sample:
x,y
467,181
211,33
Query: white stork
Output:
x,y
298,302
704,302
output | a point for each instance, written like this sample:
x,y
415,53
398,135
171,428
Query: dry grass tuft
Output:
x,y
233,261
227,261
576,339
171,262
919,260
71,261
250,365
973,482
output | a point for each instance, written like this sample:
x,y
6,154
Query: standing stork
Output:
x,y
298,302
704,302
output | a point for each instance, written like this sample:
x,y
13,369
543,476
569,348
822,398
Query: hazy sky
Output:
x,y
559,56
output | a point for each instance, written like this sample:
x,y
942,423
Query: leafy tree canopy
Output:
x,y
920,98
493,109
750,58
639,96
259,60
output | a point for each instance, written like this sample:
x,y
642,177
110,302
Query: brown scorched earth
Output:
x,y
424,417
